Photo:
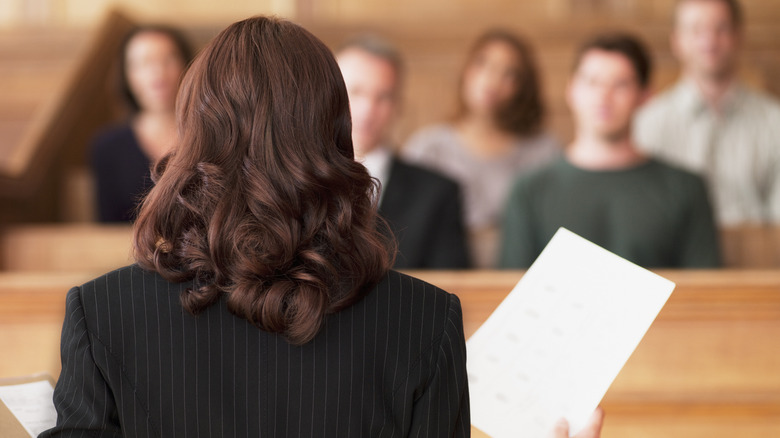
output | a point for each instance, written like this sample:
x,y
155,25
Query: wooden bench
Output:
x,y
708,367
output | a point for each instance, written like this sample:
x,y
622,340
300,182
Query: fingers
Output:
x,y
593,428
561,429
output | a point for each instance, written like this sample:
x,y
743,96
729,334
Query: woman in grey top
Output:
x,y
496,135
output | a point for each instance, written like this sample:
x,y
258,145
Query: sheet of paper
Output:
x,y
553,347
32,405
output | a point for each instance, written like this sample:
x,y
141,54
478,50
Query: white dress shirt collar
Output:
x,y
378,163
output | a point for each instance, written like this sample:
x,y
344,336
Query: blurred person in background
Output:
x,y
496,134
711,123
151,64
423,208
604,189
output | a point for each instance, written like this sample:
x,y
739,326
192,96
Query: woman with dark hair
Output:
x,y
150,65
262,302
496,134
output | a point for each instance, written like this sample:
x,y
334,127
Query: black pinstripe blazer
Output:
x,y
135,364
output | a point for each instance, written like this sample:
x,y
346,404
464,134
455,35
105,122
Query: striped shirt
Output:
x,y
135,364
736,149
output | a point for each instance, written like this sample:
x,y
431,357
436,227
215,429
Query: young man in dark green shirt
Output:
x,y
603,188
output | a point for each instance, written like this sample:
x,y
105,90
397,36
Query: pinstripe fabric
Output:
x,y
135,364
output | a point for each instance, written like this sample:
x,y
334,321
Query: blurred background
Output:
x,y
709,368
57,56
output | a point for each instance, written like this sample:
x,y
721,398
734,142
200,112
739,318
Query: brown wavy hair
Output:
x,y
524,112
261,202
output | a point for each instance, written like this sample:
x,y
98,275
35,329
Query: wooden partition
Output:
x,y
97,248
708,367
751,246
32,308
65,248
35,164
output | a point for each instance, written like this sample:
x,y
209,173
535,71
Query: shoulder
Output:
x,y
759,101
420,300
435,137
662,101
537,150
434,132
676,178
540,177
422,178
406,308
116,279
542,140
398,281
671,171
661,108
112,282
123,285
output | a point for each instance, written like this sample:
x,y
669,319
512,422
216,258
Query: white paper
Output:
x,y
31,404
553,347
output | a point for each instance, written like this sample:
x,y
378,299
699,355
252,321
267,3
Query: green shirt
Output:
x,y
652,214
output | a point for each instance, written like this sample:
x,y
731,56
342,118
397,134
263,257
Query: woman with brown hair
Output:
x,y
262,302
496,134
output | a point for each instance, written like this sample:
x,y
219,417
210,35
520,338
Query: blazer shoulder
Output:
x,y
419,291
127,282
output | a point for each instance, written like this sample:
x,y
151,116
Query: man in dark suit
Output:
x,y
423,208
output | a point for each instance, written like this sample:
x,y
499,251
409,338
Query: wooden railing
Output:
x,y
64,248
708,367
751,246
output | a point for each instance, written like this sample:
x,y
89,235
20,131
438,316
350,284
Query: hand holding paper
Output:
x,y
555,344
591,430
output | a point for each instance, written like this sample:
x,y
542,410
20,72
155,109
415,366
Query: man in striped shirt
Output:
x,y
710,123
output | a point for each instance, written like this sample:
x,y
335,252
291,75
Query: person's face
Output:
x,y
372,87
491,78
604,93
153,69
705,39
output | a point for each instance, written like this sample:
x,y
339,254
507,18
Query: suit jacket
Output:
x,y
424,211
135,364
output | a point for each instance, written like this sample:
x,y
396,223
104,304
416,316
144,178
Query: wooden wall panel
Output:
x,y
65,248
87,13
